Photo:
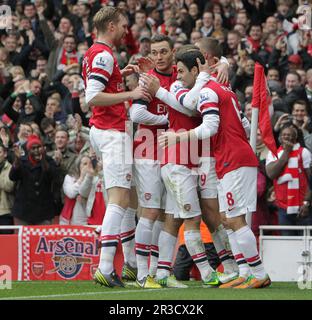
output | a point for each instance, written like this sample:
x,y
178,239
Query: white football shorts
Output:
x,y
115,149
181,184
207,178
150,187
238,192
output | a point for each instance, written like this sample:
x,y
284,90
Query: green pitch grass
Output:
x,y
84,290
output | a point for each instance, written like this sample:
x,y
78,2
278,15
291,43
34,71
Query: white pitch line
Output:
x,y
89,293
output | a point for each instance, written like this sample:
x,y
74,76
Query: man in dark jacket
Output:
x,y
34,201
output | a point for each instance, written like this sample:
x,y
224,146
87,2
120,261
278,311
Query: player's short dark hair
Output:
x,y
211,45
160,38
189,58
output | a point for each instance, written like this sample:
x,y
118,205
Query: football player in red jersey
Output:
x,y
188,95
108,136
236,165
151,117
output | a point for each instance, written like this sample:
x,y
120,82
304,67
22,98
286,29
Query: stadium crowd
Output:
x,y
43,107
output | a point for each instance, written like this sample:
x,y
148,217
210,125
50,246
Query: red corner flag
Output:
x,y
260,100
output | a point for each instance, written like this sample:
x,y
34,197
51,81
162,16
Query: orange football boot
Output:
x,y
236,282
253,283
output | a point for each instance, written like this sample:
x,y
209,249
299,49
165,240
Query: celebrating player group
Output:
x,y
190,160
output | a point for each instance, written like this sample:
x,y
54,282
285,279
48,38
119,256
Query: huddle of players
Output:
x,y
182,98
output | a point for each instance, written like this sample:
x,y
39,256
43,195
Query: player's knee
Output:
x,y
192,223
236,223
119,196
172,225
151,213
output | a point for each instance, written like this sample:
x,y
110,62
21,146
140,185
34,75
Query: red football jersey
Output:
x,y
180,91
156,106
100,72
231,147
184,153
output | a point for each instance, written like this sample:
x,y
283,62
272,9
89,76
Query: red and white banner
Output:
x,y
59,253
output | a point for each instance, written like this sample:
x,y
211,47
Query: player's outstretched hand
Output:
x,y
129,69
167,139
150,83
145,64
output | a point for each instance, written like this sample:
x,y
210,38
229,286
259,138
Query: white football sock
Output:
x,y
143,239
157,227
167,244
197,251
244,270
127,233
110,236
222,245
248,246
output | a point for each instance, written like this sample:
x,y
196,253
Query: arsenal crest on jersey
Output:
x,y
147,196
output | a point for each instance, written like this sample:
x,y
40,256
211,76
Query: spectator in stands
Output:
x,y
290,173
54,41
255,35
5,65
24,130
62,155
35,172
69,55
308,86
65,159
54,111
6,191
242,18
205,25
93,190
233,40
48,127
273,74
71,185
294,90
195,37
244,74
144,48
141,21
40,72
